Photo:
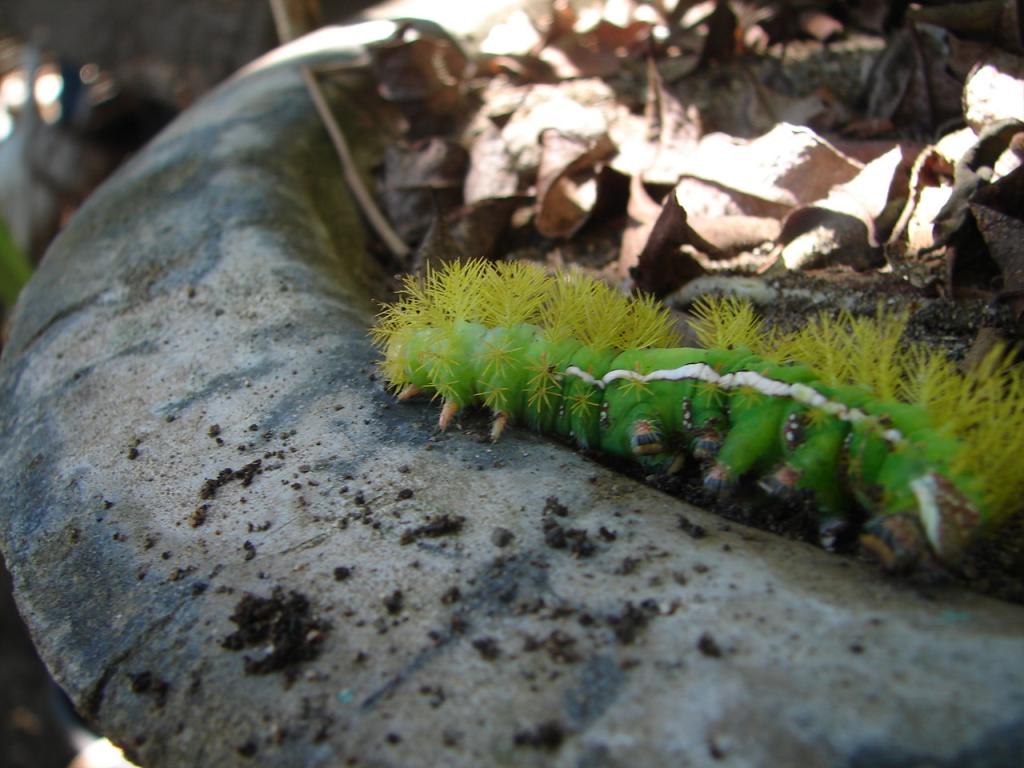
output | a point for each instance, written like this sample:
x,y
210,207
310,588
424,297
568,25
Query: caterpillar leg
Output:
x,y
947,517
498,425
791,485
719,479
645,438
408,393
706,444
897,542
448,411
781,483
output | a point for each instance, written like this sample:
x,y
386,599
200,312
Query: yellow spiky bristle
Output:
x,y
983,408
563,305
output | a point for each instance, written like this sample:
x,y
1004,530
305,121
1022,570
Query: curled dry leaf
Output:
x,y
420,70
492,173
974,169
819,25
994,90
420,177
505,153
846,227
789,166
998,210
567,180
931,183
437,248
662,265
911,85
641,213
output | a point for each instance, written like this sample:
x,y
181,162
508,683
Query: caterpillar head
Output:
x,y
939,529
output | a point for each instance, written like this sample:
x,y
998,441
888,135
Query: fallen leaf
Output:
x,y
567,188
422,74
492,173
994,90
662,266
479,228
819,25
641,213
437,248
817,237
998,210
973,170
790,165
846,227
420,177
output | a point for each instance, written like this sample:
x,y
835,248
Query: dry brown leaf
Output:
x,y
420,178
567,180
674,130
422,74
478,228
706,200
998,210
641,213
844,228
663,265
789,166
819,25
491,171
571,57
994,90
437,248
736,234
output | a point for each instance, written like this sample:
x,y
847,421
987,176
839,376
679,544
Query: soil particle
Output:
x,y
250,550
247,749
198,516
552,506
691,528
439,525
547,735
283,626
487,647
560,646
577,540
246,474
628,565
394,602
145,682
628,624
501,537
709,646
452,595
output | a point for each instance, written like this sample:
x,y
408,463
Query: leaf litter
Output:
x,y
809,156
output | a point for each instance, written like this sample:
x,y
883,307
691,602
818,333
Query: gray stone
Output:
x,y
206,310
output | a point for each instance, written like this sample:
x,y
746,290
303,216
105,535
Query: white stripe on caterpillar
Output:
x,y
801,393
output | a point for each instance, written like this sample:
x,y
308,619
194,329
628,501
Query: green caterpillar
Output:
x,y
839,412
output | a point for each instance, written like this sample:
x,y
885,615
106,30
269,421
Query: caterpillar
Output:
x,y
888,437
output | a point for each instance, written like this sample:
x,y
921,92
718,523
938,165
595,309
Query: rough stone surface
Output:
x,y
337,597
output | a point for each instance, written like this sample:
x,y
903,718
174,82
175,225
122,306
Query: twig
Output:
x,y
364,199
293,18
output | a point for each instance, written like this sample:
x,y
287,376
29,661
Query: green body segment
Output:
x,y
870,457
